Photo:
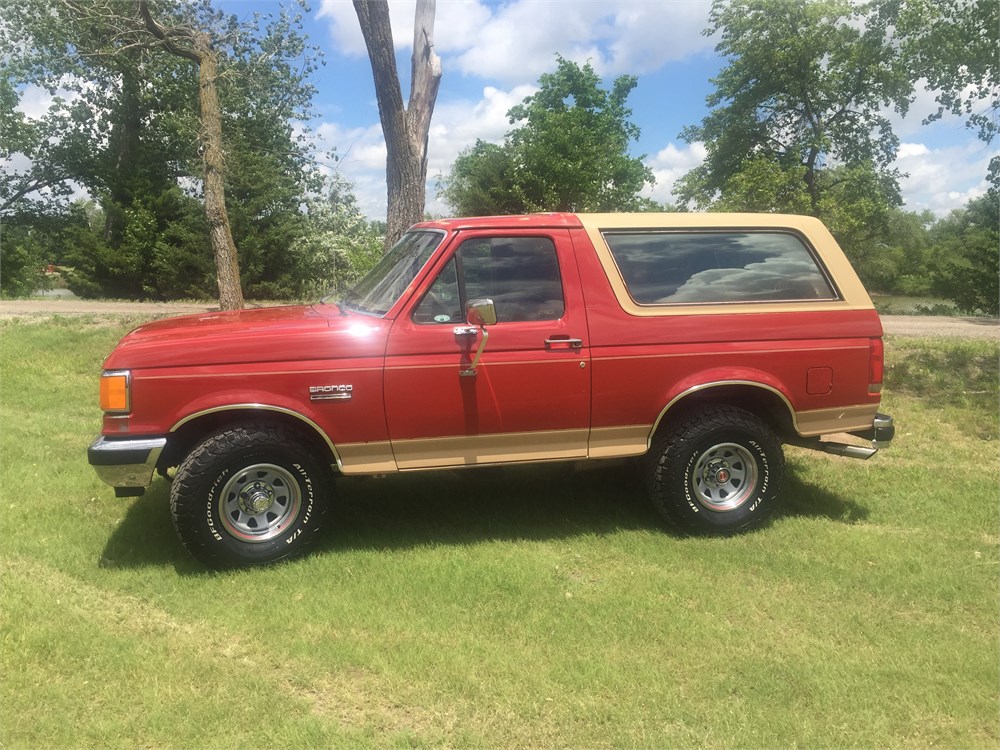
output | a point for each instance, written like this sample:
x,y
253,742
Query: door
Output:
x,y
529,395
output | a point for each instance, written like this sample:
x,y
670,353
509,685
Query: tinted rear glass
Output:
x,y
717,267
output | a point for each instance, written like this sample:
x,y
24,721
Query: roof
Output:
x,y
672,220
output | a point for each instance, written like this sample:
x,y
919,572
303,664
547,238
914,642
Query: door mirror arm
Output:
x,y
482,313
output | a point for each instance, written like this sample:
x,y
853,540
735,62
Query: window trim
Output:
x,y
456,256
838,296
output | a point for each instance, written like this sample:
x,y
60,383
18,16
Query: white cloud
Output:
x,y
942,179
455,126
911,150
35,101
521,38
518,41
669,165
455,23
924,105
510,44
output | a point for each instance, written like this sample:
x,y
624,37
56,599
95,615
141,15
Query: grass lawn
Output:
x,y
542,607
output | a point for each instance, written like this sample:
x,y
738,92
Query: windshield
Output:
x,y
381,287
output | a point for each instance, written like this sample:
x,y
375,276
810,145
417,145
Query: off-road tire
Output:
x,y
249,494
717,472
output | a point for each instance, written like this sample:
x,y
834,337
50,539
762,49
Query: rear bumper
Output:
x,y
125,464
880,434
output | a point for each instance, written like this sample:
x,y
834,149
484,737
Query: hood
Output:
x,y
270,334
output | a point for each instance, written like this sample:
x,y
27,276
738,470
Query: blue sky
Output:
x,y
493,52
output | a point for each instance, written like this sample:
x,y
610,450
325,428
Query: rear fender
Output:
x,y
770,398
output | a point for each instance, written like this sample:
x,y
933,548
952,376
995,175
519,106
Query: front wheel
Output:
x,y
717,472
248,495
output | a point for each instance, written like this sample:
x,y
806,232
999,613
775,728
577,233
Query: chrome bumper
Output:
x,y
880,435
128,464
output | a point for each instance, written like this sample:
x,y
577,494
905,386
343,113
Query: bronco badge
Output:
x,y
330,392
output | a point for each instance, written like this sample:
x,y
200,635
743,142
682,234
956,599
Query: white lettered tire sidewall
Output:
x,y
249,495
717,472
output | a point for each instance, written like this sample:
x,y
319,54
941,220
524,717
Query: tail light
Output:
x,y
876,365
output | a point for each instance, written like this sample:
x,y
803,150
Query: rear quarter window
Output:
x,y
684,268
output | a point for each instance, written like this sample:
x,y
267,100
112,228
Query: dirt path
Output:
x,y
930,325
28,307
896,325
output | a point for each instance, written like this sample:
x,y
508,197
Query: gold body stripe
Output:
x,y
840,419
367,458
477,450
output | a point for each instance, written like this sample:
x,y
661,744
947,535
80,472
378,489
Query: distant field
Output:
x,y
542,607
888,304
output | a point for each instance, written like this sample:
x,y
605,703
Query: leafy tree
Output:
x,y
910,236
128,132
339,245
805,88
953,45
569,152
482,182
405,129
21,262
967,243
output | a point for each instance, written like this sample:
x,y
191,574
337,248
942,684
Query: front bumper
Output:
x,y
126,464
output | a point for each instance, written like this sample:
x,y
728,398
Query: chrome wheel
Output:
x,y
259,502
724,477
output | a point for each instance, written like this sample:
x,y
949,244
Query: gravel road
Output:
x,y
896,325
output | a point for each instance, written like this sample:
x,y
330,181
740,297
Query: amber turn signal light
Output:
x,y
115,391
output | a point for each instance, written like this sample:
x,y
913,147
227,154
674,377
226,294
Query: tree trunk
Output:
x,y
405,130
226,265
200,51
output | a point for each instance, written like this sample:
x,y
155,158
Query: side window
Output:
x,y
520,275
442,303
717,267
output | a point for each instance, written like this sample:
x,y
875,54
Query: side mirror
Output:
x,y
481,312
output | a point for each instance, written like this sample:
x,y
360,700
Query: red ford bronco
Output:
x,y
701,342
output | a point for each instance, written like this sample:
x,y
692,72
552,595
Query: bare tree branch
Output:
x,y
165,36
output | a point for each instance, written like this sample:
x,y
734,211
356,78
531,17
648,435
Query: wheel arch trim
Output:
x,y
264,408
701,387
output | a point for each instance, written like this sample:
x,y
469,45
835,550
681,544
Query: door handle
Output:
x,y
573,343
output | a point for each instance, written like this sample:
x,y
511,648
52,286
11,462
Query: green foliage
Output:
x,y
21,263
764,185
967,248
339,245
953,45
805,88
127,132
569,152
953,373
798,124
163,253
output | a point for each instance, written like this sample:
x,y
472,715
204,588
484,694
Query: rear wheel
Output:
x,y
249,495
717,472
